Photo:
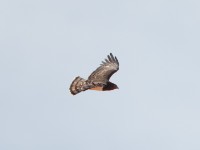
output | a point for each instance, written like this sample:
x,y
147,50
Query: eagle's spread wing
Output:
x,y
103,73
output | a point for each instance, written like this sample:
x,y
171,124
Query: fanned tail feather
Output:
x,y
78,85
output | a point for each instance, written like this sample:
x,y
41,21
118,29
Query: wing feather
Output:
x,y
103,73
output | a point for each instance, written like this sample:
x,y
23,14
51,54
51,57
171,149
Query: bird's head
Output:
x,y
110,86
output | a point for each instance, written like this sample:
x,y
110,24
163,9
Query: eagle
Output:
x,y
99,79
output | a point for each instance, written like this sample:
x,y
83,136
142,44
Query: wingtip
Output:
x,y
110,58
113,58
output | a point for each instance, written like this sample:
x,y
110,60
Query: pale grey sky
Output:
x,y
45,44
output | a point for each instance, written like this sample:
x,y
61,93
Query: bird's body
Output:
x,y
99,79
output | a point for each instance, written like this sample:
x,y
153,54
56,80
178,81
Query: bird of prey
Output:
x,y
99,79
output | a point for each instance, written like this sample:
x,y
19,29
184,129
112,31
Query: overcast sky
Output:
x,y
45,44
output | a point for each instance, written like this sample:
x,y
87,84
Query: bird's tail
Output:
x,y
78,85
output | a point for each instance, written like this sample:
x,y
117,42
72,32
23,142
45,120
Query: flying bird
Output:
x,y
99,79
